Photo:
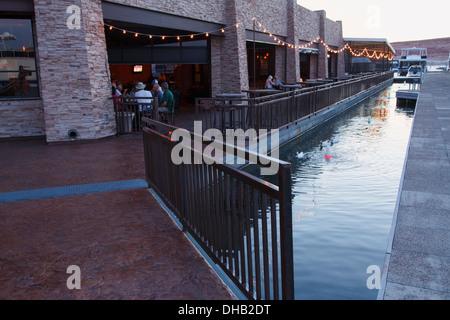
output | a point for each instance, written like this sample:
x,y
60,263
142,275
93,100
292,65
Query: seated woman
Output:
x,y
269,83
277,83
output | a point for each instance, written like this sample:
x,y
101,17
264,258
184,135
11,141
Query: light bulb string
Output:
x,y
355,52
178,37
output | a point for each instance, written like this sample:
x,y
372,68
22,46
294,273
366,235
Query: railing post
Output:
x,y
286,241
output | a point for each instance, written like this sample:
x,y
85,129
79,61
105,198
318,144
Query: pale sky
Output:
x,y
391,19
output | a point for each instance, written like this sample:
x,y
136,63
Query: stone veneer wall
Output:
x,y
73,64
74,70
21,118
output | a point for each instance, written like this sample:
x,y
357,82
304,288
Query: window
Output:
x,y
18,76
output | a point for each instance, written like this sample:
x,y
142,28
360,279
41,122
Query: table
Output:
x,y
228,116
291,86
261,92
232,95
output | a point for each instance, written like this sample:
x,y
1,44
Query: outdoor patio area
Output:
x,y
87,204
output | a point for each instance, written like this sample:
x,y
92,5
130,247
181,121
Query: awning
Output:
x,y
309,51
372,44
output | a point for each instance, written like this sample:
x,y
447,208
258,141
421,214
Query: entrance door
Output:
x,y
305,66
261,63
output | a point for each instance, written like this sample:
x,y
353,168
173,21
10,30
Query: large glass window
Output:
x,y
18,75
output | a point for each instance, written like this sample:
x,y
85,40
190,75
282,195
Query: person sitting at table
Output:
x,y
269,83
276,82
147,95
157,92
166,107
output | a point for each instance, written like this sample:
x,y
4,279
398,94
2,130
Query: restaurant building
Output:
x,y
58,57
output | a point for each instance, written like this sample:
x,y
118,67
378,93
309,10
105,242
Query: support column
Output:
x,y
341,56
323,52
293,55
74,69
230,52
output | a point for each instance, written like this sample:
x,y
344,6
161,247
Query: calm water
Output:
x,y
343,207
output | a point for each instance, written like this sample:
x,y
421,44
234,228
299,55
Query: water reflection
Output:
x,y
343,206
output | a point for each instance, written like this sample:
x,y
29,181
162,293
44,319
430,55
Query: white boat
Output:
x,y
412,57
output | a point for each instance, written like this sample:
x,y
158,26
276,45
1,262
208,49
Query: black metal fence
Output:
x,y
241,221
130,112
277,110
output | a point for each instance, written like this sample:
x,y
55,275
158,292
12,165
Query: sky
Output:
x,y
391,19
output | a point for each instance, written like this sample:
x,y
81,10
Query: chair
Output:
x,y
169,115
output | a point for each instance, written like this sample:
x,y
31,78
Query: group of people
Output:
x,y
162,93
273,83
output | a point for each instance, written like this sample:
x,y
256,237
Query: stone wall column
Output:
x,y
293,55
74,70
233,51
323,52
341,56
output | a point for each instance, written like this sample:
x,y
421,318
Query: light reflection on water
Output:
x,y
343,207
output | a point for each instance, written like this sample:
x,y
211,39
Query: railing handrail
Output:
x,y
264,112
238,151
240,234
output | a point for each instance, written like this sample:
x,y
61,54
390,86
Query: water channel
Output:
x,y
343,207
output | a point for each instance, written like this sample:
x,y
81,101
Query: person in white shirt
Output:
x,y
141,93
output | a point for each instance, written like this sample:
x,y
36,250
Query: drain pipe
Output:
x,y
72,134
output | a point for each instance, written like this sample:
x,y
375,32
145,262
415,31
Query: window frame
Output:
x,y
31,18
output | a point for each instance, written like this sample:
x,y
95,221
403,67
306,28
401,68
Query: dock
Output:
x,y
410,80
407,98
418,254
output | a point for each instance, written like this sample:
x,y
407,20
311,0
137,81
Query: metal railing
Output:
x,y
277,110
130,113
241,221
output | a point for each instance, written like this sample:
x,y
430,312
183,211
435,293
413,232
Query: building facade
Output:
x,y
58,57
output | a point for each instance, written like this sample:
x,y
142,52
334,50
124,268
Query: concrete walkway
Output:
x,y
417,264
87,204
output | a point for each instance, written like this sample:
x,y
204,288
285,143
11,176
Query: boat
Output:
x,y
415,71
412,57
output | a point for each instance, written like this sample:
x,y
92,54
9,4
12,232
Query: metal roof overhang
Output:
x,y
144,17
17,6
261,37
378,44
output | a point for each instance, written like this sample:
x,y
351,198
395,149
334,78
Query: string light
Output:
x,y
362,52
178,37
355,52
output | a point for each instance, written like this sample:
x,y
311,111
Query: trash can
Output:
x,y
126,122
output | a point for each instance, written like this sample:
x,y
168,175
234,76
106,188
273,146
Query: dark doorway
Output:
x,y
261,63
184,63
305,66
